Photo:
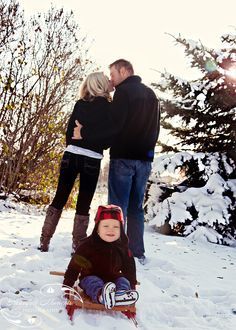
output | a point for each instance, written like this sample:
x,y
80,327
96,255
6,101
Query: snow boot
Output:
x,y
142,260
50,223
107,297
79,230
127,297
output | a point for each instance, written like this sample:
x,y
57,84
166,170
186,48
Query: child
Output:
x,y
104,263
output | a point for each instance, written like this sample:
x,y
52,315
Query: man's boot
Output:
x,y
79,230
50,223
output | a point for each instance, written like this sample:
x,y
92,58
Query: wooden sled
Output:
x,y
86,303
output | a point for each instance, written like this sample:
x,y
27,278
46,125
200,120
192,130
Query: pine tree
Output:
x,y
201,113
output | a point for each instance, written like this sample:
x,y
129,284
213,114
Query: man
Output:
x,y
134,125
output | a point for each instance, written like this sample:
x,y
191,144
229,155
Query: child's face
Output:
x,y
109,230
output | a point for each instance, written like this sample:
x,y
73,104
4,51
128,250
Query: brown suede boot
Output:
x,y
50,223
79,230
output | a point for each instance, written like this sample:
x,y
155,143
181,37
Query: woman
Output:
x,y
80,157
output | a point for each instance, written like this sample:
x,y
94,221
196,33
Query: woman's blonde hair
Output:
x,y
96,84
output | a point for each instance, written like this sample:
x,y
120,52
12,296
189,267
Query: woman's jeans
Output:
x,y
71,166
126,188
92,285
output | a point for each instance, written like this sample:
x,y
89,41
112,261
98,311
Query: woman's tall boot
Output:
x,y
50,223
79,230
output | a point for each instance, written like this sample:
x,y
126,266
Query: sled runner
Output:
x,y
86,303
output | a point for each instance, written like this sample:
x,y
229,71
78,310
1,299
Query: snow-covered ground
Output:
x,y
186,284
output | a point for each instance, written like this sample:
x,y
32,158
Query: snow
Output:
x,y
187,283
172,198
210,207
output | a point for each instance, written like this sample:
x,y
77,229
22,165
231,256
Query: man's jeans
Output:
x,y
126,188
92,285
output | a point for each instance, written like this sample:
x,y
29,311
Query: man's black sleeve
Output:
x,y
114,122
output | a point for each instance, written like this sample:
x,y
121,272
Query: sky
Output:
x,y
138,30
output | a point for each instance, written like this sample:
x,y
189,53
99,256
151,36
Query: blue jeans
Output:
x,y
92,285
126,188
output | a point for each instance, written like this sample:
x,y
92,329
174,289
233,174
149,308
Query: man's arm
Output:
x,y
109,127
77,130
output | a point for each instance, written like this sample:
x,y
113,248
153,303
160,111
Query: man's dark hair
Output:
x,y
121,63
